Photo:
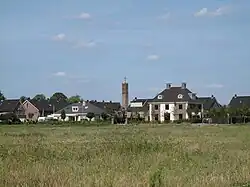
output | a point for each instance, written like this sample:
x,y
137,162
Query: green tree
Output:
x,y
58,96
63,115
244,111
2,98
74,99
39,97
90,115
23,98
104,116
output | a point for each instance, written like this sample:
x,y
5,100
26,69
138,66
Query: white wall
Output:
x,y
150,113
171,111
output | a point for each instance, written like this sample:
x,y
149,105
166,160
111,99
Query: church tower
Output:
x,y
125,94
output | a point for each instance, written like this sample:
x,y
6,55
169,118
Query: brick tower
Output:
x,y
125,94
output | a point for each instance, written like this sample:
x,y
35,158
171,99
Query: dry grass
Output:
x,y
124,156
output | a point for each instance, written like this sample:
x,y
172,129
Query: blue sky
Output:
x,y
86,47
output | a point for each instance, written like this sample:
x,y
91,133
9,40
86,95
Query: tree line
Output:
x,y
58,96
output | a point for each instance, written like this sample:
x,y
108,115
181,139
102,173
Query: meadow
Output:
x,y
142,155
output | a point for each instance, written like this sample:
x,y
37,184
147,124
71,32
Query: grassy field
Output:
x,y
143,155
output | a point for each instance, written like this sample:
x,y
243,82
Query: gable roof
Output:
x,y
239,101
109,107
208,102
171,95
143,108
28,101
82,109
9,105
49,105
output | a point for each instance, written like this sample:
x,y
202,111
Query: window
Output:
x,y
180,106
166,116
159,97
180,96
156,107
167,107
180,116
156,117
75,108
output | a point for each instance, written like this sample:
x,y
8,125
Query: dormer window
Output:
x,y
159,97
74,108
180,96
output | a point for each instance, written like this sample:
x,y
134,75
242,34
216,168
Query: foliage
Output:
x,y
104,116
63,114
193,110
58,96
39,97
90,115
9,118
74,99
23,98
2,98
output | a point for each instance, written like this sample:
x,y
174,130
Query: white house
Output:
x,y
174,103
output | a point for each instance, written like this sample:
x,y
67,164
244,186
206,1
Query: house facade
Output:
x,y
138,108
13,106
48,107
209,103
31,112
239,101
174,103
79,111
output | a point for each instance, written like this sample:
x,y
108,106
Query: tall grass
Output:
x,y
124,156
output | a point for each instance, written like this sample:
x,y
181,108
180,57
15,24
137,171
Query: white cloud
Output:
x,y
59,37
153,57
202,12
215,86
60,74
218,12
83,15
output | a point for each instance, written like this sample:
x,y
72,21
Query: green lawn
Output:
x,y
144,155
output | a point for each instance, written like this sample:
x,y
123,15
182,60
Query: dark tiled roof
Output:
x,y
49,105
171,95
208,102
82,109
9,105
144,107
239,101
109,107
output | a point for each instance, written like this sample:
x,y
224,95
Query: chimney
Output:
x,y
168,85
103,101
212,96
183,85
235,95
135,98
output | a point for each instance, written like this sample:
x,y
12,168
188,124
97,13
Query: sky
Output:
x,y
87,47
